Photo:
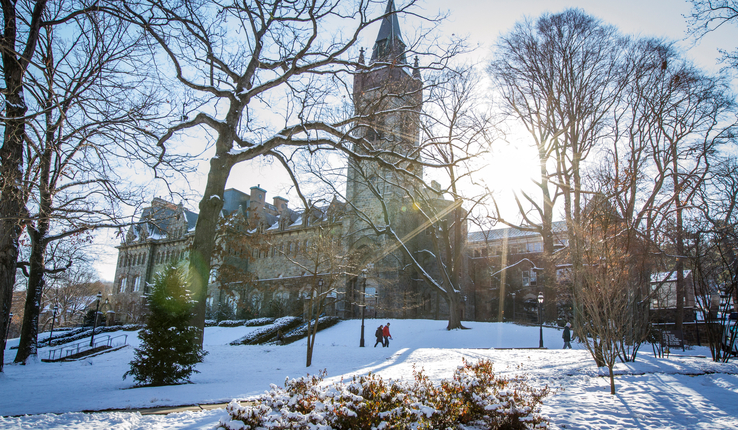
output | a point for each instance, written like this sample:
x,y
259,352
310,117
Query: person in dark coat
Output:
x,y
379,335
567,336
387,335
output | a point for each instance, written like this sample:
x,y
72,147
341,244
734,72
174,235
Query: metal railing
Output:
x,y
84,345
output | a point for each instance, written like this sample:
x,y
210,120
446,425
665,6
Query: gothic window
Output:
x,y
123,282
281,295
529,278
137,283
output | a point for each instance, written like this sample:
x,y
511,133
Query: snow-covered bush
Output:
x,y
231,323
267,333
302,330
474,399
256,322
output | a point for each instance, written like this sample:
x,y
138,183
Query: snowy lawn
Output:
x,y
684,391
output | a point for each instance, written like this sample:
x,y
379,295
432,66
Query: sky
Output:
x,y
687,390
482,21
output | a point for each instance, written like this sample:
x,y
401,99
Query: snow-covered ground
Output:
x,y
685,391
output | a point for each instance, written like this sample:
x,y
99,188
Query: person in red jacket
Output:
x,y
387,335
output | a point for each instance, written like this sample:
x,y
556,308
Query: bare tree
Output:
x,y
683,116
614,276
91,105
72,290
326,266
712,256
709,15
22,27
234,58
559,77
18,46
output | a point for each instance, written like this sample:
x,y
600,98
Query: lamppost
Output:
x,y
7,329
94,321
540,318
53,317
363,305
513,296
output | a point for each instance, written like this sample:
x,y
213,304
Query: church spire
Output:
x,y
389,46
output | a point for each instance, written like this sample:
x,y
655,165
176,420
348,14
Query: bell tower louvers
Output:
x,y
387,102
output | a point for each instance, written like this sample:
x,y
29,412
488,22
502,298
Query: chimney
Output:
x,y
280,203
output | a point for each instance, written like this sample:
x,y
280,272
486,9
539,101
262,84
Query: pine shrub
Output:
x,y
475,398
169,349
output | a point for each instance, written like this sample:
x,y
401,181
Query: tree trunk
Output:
x,y
12,203
454,318
310,334
679,266
36,283
205,230
34,292
612,378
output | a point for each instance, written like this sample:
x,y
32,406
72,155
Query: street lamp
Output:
x,y
94,321
53,317
513,296
363,305
7,329
540,318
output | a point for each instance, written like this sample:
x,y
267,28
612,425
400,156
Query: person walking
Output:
x,y
567,336
387,335
379,335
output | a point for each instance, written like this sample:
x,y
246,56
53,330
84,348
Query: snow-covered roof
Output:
x,y
668,276
511,233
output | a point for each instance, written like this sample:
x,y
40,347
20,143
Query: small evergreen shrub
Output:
x,y
475,398
169,349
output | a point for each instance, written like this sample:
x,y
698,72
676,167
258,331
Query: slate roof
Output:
x,y
389,44
558,227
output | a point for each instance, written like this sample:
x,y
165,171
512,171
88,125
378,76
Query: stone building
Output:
x,y
161,237
263,267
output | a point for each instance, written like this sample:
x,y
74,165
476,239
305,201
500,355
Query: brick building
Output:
x,y
506,264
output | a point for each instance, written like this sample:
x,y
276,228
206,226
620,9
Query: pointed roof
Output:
x,y
389,46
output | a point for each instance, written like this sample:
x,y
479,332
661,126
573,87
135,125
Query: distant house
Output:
x,y
664,296
507,261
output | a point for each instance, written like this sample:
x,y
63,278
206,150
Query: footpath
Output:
x,y
164,410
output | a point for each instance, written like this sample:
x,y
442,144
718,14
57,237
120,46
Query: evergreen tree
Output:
x,y
169,348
